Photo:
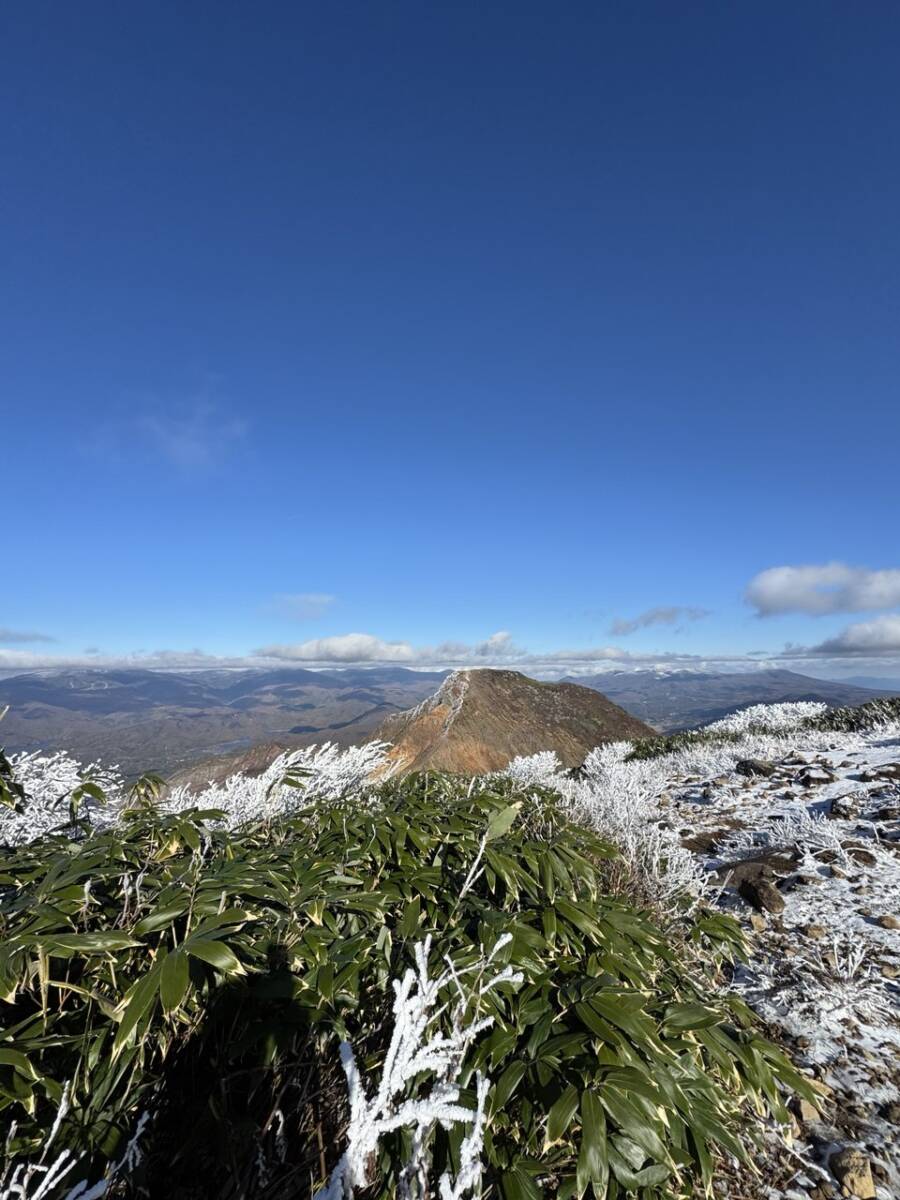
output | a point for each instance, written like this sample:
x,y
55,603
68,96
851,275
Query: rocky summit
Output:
x,y
479,720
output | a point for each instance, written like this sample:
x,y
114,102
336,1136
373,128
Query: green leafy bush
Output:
x,y
863,718
671,743
170,966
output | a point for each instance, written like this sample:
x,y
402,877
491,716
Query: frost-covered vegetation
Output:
x,y
186,968
617,798
617,791
200,982
62,794
762,722
874,714
803,832
46,792
768,718
418,1047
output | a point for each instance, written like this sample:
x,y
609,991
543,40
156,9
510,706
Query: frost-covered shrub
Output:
x,y
290,782
768,718
759,720
831,988
45,1177
688,740
535,770
801,830
618,789
616,792
606,757
618,802
228,962
52,784
618,799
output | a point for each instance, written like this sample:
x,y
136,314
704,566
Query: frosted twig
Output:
x,y
420,1047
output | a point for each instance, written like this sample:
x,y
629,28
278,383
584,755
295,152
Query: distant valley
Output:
x,y
164,721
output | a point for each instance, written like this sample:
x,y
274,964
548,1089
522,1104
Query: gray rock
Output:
x,y
815,932
843,808
754,766
765,864
762,894
816,776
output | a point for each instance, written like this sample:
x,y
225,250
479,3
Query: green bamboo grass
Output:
x,y
206,976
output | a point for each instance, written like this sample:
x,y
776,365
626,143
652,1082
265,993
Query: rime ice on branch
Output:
x,y
420,1046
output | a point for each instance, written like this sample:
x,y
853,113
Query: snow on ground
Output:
x,y
819,823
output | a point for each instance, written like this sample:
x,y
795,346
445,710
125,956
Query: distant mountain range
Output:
x,y
877,682
167,720
673,700
477,721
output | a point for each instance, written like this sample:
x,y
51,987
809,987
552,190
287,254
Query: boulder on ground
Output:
x,y
853,1171
844,808
754,766
763,865
815,777
762,894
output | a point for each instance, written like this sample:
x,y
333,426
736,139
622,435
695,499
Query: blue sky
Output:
x,y
429,323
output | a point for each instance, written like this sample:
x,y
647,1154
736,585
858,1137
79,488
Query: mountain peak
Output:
x,y
480,718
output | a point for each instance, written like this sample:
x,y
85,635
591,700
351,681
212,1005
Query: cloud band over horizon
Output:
x,y
815,590
875,641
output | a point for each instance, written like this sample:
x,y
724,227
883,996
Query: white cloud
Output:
x,y
865,639
497,647
366,648
497,650
346,648
16,636
816,590
150,660
657,616
196,438
194,435
498,643
303,606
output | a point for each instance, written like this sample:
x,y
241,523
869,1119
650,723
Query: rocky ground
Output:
x,y
806,850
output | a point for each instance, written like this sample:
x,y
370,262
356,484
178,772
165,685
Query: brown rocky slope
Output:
x,y
480,719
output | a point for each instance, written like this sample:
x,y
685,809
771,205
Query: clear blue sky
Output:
x,y
432,321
